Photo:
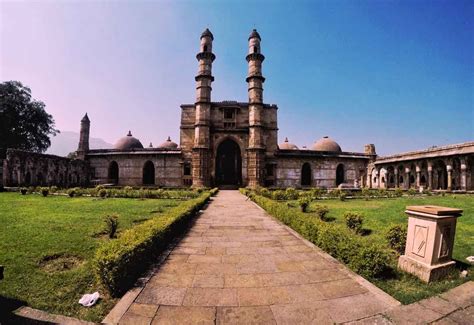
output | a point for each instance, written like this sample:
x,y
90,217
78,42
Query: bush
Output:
x,y
317,193
279,195
23,191
396,237
365,192
45,191
398,192
336,240
103,193
321,211
71,192
354,221
342,196
411,191
111,225
53,189
291,193
118,263
382,192
303,203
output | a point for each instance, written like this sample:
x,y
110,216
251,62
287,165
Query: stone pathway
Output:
x,y
238,265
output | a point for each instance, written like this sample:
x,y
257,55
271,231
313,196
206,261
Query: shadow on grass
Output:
x,y
365,232
8,306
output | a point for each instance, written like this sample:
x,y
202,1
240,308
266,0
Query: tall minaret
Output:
x,y
204,78
83,147
256,149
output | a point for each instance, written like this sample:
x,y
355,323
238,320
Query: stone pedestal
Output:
x,y
430,241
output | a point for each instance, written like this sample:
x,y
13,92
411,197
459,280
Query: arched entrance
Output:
x,y
148,173
228,163
340,174
440,176
306,175
113,173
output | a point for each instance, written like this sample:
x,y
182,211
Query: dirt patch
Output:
x,y
59,262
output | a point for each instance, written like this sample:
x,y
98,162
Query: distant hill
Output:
x,y
67,141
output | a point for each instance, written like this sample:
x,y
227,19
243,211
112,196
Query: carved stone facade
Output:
x,y
232,143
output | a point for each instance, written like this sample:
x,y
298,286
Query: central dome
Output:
x,y
128,143
326,144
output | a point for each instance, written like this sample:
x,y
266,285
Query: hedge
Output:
x,y
367,260
118,263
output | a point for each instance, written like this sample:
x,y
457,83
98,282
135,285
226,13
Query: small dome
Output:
x,y
326,144
168,144
254,34
207,33
128,143
287,146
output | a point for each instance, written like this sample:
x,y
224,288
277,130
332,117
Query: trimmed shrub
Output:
x,y
291,193
71,192
398,192
103,193
370,261
317,193
303,203
118,263
342,196
354,221
321,211
279,195
45,191
396,237
53,189
111,225
23,191
365,193
411,191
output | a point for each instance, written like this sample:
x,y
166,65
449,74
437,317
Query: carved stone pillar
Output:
x,y
430,177
397,180
418,177
407,178
463,177
449,169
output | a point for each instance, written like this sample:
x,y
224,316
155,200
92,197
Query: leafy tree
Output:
x,y
24,123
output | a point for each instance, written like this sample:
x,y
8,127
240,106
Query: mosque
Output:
x,y
234,144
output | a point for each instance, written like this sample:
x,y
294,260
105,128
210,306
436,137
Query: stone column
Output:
x,y
418,176
397,180
463,177
430,177
449,169
407,178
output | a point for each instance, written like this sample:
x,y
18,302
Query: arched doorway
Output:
x,y
28,178
306,175
340,177
228,163
149,173
113,176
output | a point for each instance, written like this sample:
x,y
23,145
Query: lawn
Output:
x,y
380,214
33,227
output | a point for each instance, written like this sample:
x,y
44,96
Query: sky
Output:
x,y
399,74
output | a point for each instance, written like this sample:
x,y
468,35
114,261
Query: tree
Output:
x,y
24,123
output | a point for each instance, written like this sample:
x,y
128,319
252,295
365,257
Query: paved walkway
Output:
x,y
237,265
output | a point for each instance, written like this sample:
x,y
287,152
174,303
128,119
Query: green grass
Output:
x,y
32,227
381,214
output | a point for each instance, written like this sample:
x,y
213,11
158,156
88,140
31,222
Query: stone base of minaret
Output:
x,y
255,167
200,163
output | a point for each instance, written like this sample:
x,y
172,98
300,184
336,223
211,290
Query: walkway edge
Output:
x,y
379,293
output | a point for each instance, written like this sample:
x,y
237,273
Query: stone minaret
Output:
x,y
83,147
204,78
255,80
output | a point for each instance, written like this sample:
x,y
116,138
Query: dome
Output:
x,y
287,146
128,143
326,144
168,144
207,33
254,34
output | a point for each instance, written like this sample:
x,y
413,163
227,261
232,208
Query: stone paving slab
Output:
x,y
238,265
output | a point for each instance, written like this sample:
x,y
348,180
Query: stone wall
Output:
x,y
168,167
23,168
323,171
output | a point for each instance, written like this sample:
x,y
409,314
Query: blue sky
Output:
x,y
399,74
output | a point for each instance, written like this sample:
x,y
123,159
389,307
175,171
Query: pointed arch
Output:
x,y
148,173
113,173
340,174
306,174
